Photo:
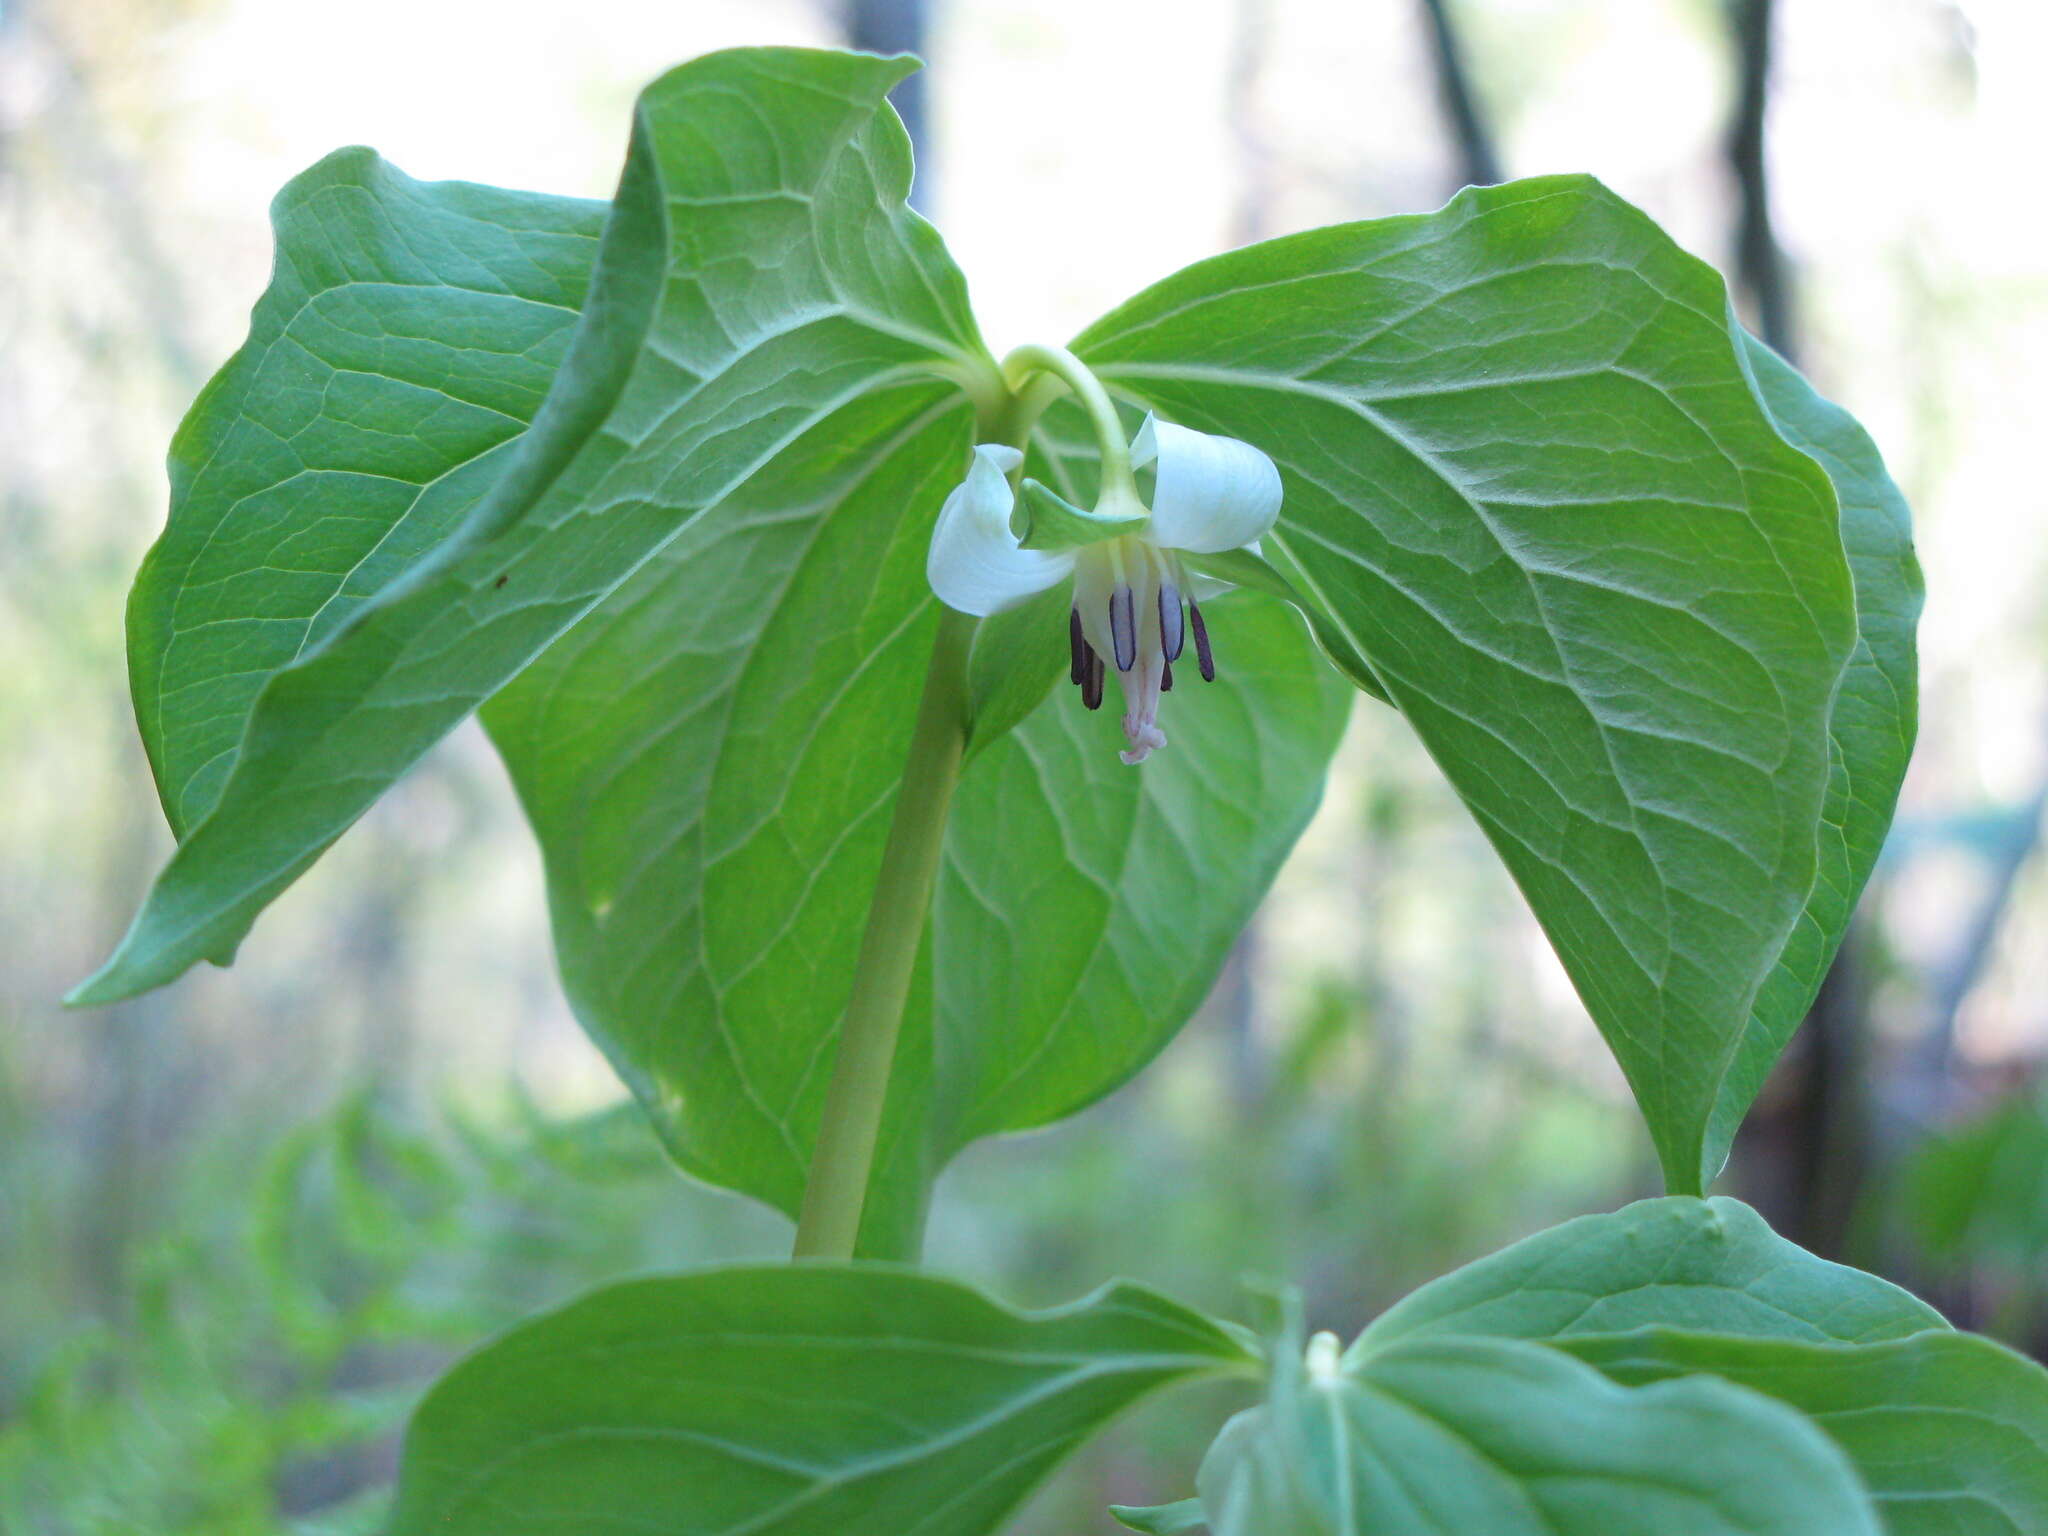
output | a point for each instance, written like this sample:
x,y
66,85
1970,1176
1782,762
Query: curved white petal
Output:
x,y
1214,493
975,564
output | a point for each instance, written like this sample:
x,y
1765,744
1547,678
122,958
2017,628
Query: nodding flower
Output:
x,y
1135,605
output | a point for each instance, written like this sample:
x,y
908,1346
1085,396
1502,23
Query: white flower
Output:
x,y
1212,494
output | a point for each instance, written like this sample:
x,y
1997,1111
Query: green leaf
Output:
x,y
1513,1439
1876,714
1046,520
407,337
1949,1431
1245,568
1160,1519
759,278
1975,1194
1085,908
1018,655
710,765
1527,472
783,1401
1709,1266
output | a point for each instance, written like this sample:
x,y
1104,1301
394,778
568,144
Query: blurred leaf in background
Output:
x,y
272,1349
1968,1206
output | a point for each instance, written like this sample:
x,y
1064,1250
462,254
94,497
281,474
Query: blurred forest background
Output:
x,y
245,1220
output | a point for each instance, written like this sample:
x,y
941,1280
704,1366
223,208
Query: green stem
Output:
x,y
844,1157
1109,427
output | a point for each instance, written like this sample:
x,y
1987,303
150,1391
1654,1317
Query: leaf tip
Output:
x,y
102,987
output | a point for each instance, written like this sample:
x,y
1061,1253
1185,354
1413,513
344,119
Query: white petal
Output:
x,y
975,564
1214,493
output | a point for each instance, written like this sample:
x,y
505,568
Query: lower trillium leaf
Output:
x,y
1515,1439
808,1400
1949,1432
1710,1265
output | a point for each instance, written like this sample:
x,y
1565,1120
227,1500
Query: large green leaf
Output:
x,y
1085,908
711,762
1949,1431
1871,730
784,1401
1512,1439
1529,475
1710,1266
758,275
407,337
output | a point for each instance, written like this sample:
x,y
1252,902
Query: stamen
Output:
x,y
1172,636
1123,627
1091,678
1165,675
1077,646
1202,656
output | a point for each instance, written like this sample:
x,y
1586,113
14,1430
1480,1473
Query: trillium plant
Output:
x,y
791,610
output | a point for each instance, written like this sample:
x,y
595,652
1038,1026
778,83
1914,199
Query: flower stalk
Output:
x,y
843,1159
1020,367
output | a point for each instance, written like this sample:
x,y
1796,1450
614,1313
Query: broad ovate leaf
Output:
x,y
1513,1439
408,335
1527,471
807,1400
711,763
1870,732
1085,908
1949,1432
1707,1266
758,273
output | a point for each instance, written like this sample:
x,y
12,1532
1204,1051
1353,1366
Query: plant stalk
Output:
x,y
1018,370
844,1157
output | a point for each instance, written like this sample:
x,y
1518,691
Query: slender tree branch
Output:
x,y
1478,163
1760,266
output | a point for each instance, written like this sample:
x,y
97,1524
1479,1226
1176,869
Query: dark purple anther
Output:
x,y
1165,675
1202,656
1172,636
1078,646
1091,680
1123,627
